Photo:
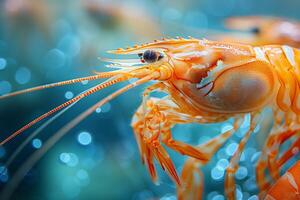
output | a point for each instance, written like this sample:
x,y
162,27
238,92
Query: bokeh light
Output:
x,y
37,143
69,95
22,75
49,41
5,87
3,174
3,63
84,138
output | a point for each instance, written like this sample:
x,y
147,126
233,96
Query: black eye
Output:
x,y
151,56
255,30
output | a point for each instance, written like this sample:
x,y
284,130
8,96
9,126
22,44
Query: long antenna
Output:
x,y
67,103
31,161
68,82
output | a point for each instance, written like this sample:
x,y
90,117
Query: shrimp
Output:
x,y
287,187
266,30
203,82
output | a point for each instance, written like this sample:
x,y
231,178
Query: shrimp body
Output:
x,y
266,30
211,82
287,187
205,82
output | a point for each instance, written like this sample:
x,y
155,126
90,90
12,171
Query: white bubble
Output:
x,y
241,173
226,127
211,195
239,194
73,160
231,148
217,173
98,110
23,75
5,87
84,138
223,163
84,82
255,157
55,58
64,157
3,63
105,108
218,197
222,153
69,95
37,143
253,197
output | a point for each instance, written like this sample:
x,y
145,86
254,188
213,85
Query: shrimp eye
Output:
x,y
255,30
151,56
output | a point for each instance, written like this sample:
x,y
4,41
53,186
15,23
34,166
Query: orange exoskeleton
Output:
x,y
205,82
287,186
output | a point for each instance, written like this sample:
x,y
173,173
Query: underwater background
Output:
x,y
45,41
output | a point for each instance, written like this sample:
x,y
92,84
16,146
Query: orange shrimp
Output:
x,y
287,187
266,30
205,82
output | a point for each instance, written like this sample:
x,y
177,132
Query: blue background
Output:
x,y
48,41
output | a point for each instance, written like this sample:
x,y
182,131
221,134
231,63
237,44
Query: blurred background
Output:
x,y
44,41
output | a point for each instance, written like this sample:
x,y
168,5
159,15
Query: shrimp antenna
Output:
x,y
105,84
31,161
34,134
68,82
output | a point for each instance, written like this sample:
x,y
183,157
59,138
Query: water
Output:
x,y
52,41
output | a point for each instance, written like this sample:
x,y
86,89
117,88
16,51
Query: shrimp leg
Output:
x,y
150,124
273,153
234,162
191,175
153,127
268,157
274,148
289,153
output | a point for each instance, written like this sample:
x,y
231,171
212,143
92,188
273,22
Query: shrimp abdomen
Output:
x,y
286,62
